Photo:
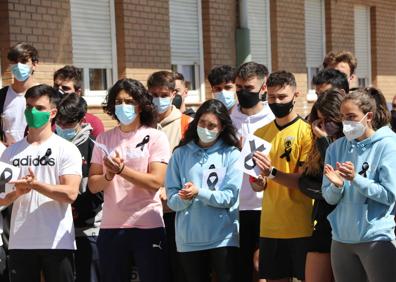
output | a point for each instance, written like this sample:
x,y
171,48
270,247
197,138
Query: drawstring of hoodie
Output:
x,y
203,156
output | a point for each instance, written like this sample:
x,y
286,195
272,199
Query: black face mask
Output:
x,y
248,99
177,101
281,110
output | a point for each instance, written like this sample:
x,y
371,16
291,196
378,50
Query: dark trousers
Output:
x,y
27,265
87,259
249,234
199,265
176,272
3,265
146,247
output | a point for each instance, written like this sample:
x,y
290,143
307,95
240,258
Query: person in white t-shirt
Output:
x,y
42,232
251,113
23,60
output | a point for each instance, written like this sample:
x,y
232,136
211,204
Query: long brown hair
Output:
x,y
328,104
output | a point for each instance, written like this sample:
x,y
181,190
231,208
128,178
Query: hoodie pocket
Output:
x,y
349,221
204,225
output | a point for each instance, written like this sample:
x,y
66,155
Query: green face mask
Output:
x,y
36,118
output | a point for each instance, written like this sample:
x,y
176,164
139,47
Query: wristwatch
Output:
x,y
272,173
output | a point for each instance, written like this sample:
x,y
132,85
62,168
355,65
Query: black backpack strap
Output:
x,y
3,95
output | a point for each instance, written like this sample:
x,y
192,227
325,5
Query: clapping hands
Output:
x,y
343,171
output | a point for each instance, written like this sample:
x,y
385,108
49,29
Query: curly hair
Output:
x,y
136,90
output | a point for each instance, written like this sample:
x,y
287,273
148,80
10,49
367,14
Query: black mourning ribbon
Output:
x,y
249,156
365,167
286,154
145,140
5,177
45,158
212,184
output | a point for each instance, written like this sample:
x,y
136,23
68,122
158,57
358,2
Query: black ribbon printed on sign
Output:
x,y
145,140
249,156
5,177
212,184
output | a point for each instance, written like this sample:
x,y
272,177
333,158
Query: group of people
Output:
x,y
164,191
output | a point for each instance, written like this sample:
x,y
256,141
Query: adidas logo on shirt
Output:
x,y
37,161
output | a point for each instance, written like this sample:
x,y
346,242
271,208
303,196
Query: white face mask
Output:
x,y
353,129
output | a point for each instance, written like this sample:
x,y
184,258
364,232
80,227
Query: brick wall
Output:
x,y
288,44
340,35
219,25
42,23
142,35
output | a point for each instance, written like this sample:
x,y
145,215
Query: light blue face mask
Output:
x,y
66,133
20,71
162,104
226,97
206,135
125,113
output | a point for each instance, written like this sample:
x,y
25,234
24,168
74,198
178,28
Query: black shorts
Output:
x,y
283,258
320,241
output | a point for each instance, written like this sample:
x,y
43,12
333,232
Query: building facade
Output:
x,y
111,39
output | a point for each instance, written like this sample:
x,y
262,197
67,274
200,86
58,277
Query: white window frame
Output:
x,y
244,23
197,95
97,97
365,81
310,69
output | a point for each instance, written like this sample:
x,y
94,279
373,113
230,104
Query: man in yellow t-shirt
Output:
x,y
286,212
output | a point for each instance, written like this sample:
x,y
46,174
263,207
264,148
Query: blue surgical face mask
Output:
x,y
20,71
226,97
66,133
125,113
162,104
206,135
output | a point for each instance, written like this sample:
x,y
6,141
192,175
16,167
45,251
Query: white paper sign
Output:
x,y
213,178
252,144
102,147
7,173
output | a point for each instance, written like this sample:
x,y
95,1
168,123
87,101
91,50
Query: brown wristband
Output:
x,y
121,169
107,178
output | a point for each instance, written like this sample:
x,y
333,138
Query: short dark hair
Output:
x,y
333,77
178,76
22,52
252,69
281,78
221,74
136,90
72,108
72,73
44,90
228,133
162,79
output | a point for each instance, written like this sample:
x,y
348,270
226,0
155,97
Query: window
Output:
x,y
256,18
362,44
93,41
314,37
311,72
186,45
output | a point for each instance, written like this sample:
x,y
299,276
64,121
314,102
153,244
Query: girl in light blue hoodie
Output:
x,y
360,179
202,186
